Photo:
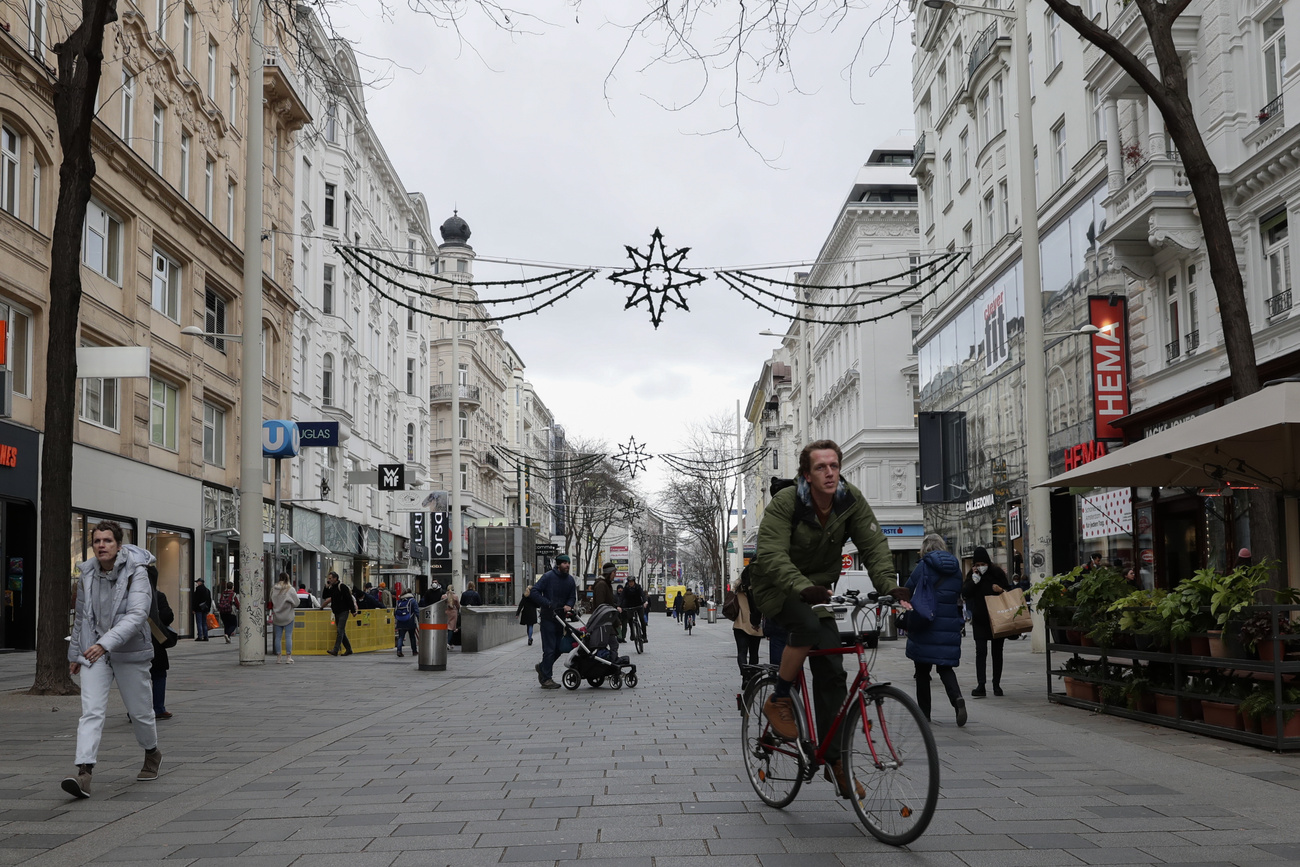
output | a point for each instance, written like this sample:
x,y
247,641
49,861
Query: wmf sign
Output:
x,y
392,477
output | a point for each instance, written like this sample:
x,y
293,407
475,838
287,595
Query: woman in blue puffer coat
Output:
x,y
937,643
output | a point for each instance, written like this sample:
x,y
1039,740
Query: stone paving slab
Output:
x,y
476,766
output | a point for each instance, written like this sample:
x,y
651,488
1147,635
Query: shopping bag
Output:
x,y
214,622
1008,614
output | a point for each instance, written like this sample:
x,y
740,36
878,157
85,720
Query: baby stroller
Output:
x,y
595,656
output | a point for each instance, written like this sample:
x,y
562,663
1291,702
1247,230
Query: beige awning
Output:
x,y
1252,441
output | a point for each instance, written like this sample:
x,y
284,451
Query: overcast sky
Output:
x,y
548,162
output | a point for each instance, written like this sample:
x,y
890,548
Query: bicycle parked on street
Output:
x,y
886,746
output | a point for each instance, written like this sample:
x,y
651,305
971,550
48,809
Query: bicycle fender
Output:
x,y
876,687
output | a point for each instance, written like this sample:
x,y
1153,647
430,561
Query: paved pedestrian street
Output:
x,y
366,762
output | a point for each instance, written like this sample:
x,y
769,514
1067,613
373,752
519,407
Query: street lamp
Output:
x,y
1038,564
1081,331
195,331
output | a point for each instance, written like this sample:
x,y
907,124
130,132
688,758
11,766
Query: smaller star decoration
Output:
x,y
632,457
657,275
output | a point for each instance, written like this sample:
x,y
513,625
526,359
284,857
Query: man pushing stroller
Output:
x,y
555,594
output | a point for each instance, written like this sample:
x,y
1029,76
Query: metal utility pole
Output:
x,y
252,581
456,581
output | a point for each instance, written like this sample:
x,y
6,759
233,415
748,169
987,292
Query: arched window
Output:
x,y
410,443
327,380
464,425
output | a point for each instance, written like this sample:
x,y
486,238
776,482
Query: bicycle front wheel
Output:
x,y
775,767
892,765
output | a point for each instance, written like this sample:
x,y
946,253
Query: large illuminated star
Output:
x,y
657,273
632,457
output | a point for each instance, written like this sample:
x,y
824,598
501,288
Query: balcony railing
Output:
x,y
1279,303
442,391
918,149
1271,109
1193,340
1171,351
981,49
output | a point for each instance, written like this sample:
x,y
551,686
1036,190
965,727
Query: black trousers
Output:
x,y
981,654
947,677
746,648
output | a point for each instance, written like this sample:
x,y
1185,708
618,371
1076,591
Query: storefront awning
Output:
x,y
286,541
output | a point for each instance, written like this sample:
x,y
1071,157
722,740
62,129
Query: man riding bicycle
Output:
x,y
800,542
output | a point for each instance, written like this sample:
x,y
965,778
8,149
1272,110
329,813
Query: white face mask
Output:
x,y
982,568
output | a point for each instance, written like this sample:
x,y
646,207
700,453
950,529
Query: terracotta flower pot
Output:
x,y
1192,709
1166,705
1290,729
1218,649
1200,645
1222,714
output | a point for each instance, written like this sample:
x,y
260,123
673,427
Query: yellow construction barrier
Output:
x,y
313,631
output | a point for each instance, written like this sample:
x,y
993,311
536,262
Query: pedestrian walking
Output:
x,y
343,604
110,641
747,627
284,605
201,598
227,605
937,643
385,595
984,580
526,611
470,597
407,615
433,594
677,607
161,618
602,592
453,616
556,595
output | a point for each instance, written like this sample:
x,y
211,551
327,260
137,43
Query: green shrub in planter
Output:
x,y
1096,592
1139,614
1259,704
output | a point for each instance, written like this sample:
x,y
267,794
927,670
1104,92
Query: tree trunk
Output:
x,y
80,64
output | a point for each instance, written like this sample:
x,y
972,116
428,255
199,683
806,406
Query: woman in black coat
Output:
x,y
526,611
162,615
985,579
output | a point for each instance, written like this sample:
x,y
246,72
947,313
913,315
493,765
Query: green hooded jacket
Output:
x,y
796,552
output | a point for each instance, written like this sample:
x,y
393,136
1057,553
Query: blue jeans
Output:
x,y
201,625
159,692
551,634
776,636
402,632
287,632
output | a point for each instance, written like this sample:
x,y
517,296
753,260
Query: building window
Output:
x,y
99,402
410,313
230,210
1004,208
128,106
166,286
36,19
1029,56
463,425
1274,56
214,435
214,318
101,249
327,291
209,171
212,70
160,17
1053,26
11,151
410,252
347,213
983,118
164,402
327,380
332,122
159,118
1098,115
1060,159
947,177
234,91
999,106
1277,263
464,477
990,229
963,148
185,164
410,376
187,39
410,443
462,266
19,329
329,205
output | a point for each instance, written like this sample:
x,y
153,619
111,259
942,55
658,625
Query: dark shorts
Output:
x,y
803,624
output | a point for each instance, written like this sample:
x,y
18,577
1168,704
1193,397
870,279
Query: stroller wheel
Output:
x,y
596,681
630,679
616,681
571,679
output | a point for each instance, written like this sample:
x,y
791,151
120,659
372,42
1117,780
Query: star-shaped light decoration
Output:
x,y
632,457
657,274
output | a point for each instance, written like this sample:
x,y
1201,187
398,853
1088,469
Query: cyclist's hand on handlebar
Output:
x,y
815,595
902,594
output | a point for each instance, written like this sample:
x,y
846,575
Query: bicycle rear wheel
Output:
x,y
891,754
775,767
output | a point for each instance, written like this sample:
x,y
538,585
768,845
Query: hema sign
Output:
x,y
1109,363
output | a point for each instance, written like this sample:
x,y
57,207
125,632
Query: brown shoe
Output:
x,y
152,760
79,786
835,773
780,715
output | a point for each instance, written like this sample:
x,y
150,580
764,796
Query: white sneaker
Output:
x,y
279,658
288,660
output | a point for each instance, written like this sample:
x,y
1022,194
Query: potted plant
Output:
x,y
1079,678
1256,631
1054,598
1186,610
1261,706
1137,690
1139,616
1096,592
1225,708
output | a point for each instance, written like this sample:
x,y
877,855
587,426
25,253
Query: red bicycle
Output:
x,y
886,745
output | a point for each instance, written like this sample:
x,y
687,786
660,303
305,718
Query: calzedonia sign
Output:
x,y
1109,363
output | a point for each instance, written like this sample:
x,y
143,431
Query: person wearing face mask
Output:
x,y
984,579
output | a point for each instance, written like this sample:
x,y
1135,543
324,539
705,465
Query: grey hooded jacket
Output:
x,y
125,634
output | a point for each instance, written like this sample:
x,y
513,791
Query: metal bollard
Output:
x,y
713,612
888,625
433,636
